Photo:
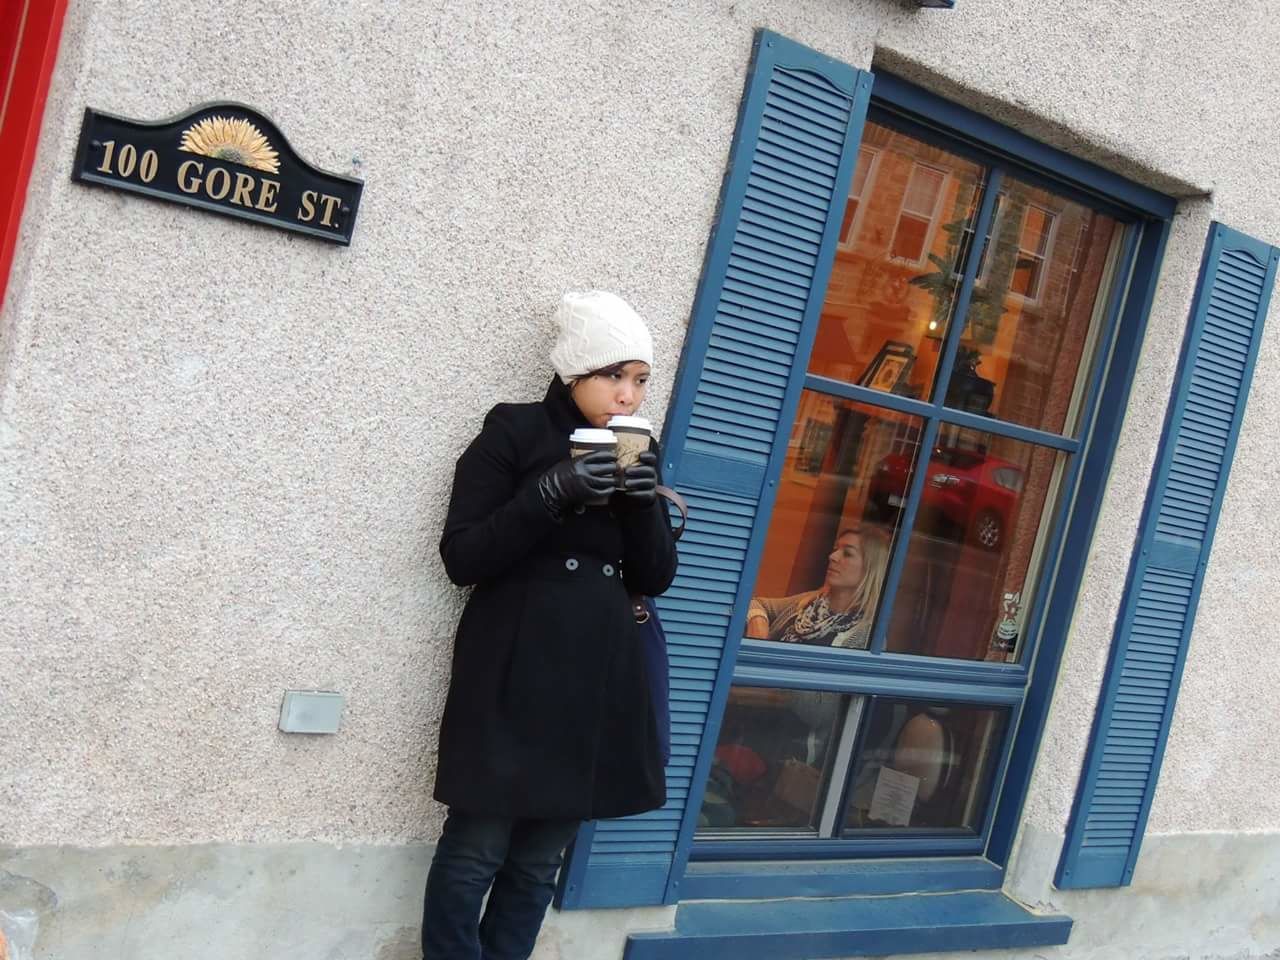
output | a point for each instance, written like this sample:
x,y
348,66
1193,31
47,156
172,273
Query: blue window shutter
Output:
x,y
754,317
1158,610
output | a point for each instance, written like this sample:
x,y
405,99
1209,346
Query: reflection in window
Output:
x,y
862,175
919,208
772,760
1033,251
1047,268
821,764
840,612
888,301
924,766
827,550
964,590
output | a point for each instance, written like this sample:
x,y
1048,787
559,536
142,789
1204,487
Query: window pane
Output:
x,y
861,172
846,225
964,587
891,290
922,190
843,482
1037,312
772,764
908,242
924,766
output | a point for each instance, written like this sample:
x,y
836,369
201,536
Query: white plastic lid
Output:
x,y
622,422
592,435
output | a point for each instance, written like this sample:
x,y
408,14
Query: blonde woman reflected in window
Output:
x,y
839,614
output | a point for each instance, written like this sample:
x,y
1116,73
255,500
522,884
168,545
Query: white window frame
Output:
x,y
993,231
931,230
855,226
1050,240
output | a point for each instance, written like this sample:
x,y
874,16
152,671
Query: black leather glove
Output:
x,y
577,480
640,481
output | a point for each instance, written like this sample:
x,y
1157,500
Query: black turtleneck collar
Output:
x,y
559,403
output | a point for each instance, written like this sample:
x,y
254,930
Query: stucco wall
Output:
x,y
226,449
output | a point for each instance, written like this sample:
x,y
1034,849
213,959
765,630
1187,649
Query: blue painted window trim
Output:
x,y
993,138
1079,867
713,879
838,670
923,409
803,928
859,82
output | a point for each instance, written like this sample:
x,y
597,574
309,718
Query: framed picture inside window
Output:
x,y
888,369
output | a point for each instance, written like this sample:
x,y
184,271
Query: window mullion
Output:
x,y
986,213
928,437
832,802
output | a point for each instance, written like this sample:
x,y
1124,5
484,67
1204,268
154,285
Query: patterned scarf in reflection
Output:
x,y
815,623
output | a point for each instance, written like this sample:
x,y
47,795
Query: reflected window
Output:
x,y
966,242
862,176
1033,252
919,210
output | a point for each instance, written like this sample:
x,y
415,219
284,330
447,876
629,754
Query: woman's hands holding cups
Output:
x,y
579,479
640,481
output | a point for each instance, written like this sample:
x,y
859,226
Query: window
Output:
x,y
966,240
863,172
895,603
919,209
1034,244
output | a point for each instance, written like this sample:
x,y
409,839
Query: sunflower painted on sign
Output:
x,y
234,139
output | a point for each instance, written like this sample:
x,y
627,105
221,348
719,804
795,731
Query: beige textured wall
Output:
x,y
226,449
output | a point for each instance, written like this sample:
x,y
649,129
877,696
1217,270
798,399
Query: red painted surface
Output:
x,y
29,34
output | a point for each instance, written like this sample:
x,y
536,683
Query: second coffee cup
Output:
x,y
633,439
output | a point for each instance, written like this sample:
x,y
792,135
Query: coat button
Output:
x,y
580,509
571,564
608,570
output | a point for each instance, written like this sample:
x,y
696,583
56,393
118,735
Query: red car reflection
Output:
x,y
967,494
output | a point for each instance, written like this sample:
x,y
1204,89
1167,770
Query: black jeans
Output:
x,y
518,859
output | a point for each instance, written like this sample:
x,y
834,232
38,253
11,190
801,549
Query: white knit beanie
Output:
x,y
597,329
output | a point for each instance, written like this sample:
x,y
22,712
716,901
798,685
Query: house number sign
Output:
x,y
222,157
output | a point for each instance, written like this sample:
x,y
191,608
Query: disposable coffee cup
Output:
x,y
633,439
585,440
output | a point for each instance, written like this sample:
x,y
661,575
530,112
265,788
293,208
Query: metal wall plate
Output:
x,y
311,711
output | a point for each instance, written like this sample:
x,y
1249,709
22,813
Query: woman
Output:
x,y
840,613
548,721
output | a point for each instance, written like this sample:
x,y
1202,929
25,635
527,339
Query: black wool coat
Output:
x,y
549,713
